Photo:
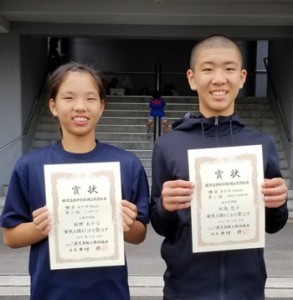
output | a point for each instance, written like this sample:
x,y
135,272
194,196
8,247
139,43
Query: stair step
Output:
x,y
179,99
140,119
171,106
103,136
100,128
131,145
169,113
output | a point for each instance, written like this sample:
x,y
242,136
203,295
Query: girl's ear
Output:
x,y
191,81
104,104
102,107
52,106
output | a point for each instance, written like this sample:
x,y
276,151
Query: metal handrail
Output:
x,y
265,60
28,123
157,128
140,72
157,73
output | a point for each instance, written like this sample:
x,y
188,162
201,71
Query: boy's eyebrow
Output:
x,y
214,63
231,62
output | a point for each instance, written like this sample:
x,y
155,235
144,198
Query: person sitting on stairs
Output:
x,y
157,105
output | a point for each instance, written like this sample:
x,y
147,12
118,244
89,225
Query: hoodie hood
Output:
x,y
210,127
191,121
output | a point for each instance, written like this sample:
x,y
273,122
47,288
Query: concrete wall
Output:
x,y
10,99
33,75
135,58
22,67
261,73
280,66
138,59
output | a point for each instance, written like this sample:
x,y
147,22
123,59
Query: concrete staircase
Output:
x,y
124,119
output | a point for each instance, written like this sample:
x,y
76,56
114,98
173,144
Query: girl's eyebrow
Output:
x,y
72,93
66,92
92,93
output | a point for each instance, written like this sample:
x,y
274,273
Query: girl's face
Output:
x,y
77,105
217,77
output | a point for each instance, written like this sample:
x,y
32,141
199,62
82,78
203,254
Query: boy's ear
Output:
x,y
242,78
190,77
52,107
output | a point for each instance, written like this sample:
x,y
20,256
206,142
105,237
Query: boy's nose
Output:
x,y
219,77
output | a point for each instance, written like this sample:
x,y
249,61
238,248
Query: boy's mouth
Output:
x,y
219,93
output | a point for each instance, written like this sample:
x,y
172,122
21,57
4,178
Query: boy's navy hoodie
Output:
x,y
224,275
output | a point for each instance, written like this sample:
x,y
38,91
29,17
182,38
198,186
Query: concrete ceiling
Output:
x,y
159,17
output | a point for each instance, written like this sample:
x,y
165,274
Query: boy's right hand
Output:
x,y
177,194
42,221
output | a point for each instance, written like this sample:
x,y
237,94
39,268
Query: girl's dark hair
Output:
x,y
57,77
156,94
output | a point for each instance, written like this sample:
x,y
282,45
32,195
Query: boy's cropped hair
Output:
x,y
214,41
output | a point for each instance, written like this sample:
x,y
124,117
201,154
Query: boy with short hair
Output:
x,y
216,73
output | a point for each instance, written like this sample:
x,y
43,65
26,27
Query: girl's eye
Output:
x,y
68,98
91,99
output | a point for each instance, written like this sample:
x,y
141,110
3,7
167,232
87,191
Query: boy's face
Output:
x,y
217,77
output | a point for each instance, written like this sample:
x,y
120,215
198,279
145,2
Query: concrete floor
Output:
x,y
146,268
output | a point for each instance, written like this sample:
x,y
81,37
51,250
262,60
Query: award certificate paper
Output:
x,y
85,204
227,209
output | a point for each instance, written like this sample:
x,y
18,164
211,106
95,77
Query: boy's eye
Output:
x,y
207,70
68,98
91,99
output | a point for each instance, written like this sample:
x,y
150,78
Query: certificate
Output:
x,y
227,209
84,201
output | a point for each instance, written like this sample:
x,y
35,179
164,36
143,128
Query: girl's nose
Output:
x,y
79,105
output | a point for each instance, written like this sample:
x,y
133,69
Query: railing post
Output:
x,y
157,127
158,76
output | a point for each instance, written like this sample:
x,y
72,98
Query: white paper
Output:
x,y
84,201
227,209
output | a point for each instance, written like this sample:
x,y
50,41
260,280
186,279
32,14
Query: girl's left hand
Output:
x,y
129,214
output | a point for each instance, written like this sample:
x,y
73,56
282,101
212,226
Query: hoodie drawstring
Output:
x,y
216,123
231,132
202,134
